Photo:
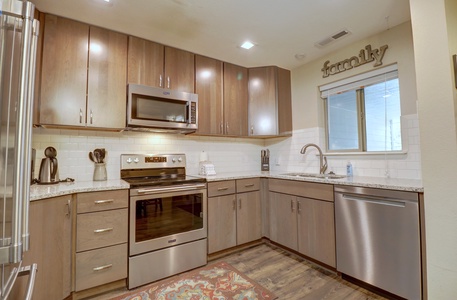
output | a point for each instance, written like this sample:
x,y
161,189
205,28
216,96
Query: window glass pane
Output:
x,y
342,121
382,111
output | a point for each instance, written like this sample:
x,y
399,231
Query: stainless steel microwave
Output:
x,y
158,109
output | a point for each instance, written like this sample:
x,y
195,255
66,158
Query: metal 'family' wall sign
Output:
x,y
366,55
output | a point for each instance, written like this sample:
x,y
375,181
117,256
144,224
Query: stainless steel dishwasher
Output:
x,y
378,238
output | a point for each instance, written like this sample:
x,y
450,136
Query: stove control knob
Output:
x,y
180,159
173,160
129,160
136,160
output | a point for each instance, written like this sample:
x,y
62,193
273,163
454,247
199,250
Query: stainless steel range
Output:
x,y
168,231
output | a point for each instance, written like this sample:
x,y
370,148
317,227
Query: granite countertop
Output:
x,y
38,192
399,184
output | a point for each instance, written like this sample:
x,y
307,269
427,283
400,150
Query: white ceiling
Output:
x,y
280,29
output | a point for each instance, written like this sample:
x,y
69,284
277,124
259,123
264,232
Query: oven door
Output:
x,y
166,216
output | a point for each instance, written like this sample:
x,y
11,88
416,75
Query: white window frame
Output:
x,y
357,83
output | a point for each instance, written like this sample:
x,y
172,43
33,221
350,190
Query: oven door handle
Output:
x,y
175,188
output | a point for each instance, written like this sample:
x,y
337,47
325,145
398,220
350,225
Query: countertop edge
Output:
x,y
409,185
39,192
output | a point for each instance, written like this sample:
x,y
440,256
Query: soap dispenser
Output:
x,y
349,172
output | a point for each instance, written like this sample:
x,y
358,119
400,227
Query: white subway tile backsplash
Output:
x,y
227,154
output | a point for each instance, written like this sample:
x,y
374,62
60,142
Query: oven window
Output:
x,y
159,109
159,217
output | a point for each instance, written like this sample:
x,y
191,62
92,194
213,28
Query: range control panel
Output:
x,y
152,161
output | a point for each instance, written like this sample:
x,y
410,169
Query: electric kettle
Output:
x,y
49,173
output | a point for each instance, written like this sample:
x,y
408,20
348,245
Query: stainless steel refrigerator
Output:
x,y
18,39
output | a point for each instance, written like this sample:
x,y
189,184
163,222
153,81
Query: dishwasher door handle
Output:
x,y
375,200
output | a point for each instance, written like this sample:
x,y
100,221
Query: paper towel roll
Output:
x,y
203,156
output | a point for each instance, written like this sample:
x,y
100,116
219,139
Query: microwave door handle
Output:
x,y
189,112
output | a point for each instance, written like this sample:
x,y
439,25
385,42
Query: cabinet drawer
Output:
x,y
98,201
97,267
247,185
101,229
221,188
321,191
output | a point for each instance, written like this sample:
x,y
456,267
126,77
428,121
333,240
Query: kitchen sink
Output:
x,y
314,175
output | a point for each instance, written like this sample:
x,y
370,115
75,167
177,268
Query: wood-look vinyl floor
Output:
x,y
288,276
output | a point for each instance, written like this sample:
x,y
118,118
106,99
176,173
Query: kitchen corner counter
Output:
x,y
410,185
38,192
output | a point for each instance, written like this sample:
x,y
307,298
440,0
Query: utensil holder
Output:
x,y
100,172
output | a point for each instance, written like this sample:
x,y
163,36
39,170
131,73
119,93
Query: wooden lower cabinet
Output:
x,y
235,218
101,238
50,249
221,223
316,228
303,224
248,218
283,220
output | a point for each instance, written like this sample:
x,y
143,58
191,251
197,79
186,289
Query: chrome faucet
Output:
x,y
322,158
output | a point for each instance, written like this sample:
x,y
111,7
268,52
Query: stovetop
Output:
x,y
141,170
163,181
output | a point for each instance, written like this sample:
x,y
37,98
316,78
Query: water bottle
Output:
x,y
349,169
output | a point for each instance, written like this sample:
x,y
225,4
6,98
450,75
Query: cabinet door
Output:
x,y
50,249
107,82
284,102
221,223
145,62
316,230
263,110
270,109
208,86
283,219
64,72
248,218
179,70
235,100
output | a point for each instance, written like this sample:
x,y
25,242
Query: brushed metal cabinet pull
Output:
x,y
91,117
96,269
222,189
80,115
298,207
160,81
249,185
107,201
234,204
226,127
168,82
252,129
292,205
103,230
239,203
68,208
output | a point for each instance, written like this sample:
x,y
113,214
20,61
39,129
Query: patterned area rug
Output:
x,y
218,281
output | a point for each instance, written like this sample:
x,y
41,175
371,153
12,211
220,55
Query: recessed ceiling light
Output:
x,y
106,0
247,45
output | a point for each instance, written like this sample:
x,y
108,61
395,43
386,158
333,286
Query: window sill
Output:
x,y
371,153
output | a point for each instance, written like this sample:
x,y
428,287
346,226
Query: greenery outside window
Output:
x,y
363,113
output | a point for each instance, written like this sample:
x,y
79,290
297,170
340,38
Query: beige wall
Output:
x,y
306,103
436,106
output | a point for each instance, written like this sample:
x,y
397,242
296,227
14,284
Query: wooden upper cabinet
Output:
x,y
152,64
145,62
270,110
82,85
107,81
209,87
64,72
235,100
179,70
